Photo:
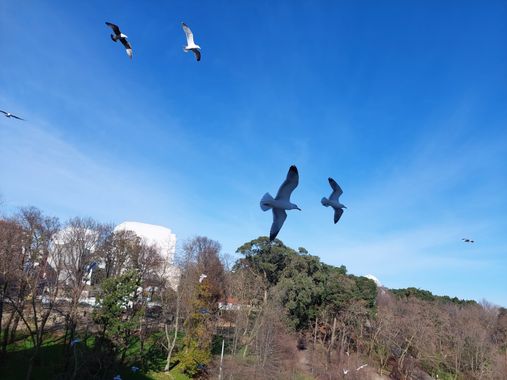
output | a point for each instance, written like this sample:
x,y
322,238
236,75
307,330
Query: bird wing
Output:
x,y
188,33
17,117
127,45
197,54
5,113
290,183
279,216
114,27
337,190
337,214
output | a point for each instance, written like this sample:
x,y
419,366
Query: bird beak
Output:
x,y
344,206
298,208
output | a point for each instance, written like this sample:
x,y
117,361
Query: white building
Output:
x,y
162,238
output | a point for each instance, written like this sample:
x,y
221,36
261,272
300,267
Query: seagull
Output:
x,y
361,367
333,200
345,371
134,369
202,277
120,36
281,202
117,377
8,114
191,46
467,240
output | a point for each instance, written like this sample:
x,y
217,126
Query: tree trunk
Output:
x,y
5,337
314,339
12,337
173,343
329,349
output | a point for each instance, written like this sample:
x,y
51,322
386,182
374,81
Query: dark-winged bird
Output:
x,y
8,114
191,46
334,200
118,35
281,202
467,240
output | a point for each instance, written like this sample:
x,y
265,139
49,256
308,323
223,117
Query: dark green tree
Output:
x,y
119,313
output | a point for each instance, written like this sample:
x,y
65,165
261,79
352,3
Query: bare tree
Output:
x,y
11,259
39,281
80,242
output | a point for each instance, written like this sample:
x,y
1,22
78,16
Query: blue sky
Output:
x,y
403,103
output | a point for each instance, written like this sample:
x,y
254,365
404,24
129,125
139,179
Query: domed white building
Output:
x,y
374,279
162,238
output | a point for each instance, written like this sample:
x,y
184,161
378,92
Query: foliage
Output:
x,y
426,295
304,285
118,314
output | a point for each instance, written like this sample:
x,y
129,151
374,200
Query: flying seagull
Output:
x,y
361,367
202,277
281,202
118,35
333,200
191,46
467,240
8,114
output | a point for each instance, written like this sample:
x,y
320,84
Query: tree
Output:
x,y
199,300
11,258
80,242
38,282
118,314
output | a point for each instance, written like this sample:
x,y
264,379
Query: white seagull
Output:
x,y
333,200
361,367
8,114
202,277
118,35
281,202
191,46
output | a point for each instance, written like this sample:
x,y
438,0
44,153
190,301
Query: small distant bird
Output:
x,y
202,277
333,200
345,371
281,202
361,367
191,46
8,114
134,369
118,35
467,240
117,377
73,342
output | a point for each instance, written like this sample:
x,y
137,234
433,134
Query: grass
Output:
x,y
48,365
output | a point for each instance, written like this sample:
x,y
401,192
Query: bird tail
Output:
x,y
325,201
264,202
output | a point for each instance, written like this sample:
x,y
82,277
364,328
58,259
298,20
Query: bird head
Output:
x,y
294,207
